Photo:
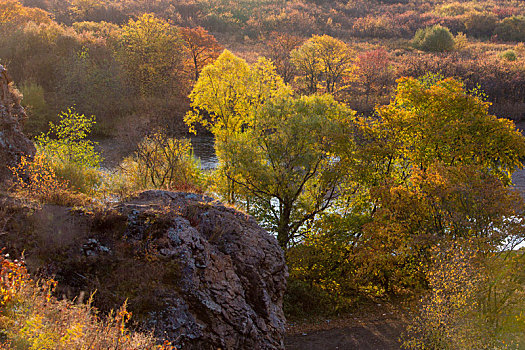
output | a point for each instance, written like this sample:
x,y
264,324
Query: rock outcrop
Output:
x,y
13,143
200,274
232,274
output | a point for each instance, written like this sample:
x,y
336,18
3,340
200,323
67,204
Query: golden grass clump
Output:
x,y
36,179
32,318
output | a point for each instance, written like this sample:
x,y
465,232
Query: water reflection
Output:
x,y
204,150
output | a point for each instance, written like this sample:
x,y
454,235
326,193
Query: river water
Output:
x,y
204,150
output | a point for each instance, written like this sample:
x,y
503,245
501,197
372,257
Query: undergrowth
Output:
x,y
32,318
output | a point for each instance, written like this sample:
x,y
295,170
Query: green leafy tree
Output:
x,y
225,97
287,162
151,50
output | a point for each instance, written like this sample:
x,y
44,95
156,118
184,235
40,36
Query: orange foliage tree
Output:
x,y
375,72
280,46
201,47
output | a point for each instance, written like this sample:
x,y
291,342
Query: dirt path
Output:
x,y
375,327
379,335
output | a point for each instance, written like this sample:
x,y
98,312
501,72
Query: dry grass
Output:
x,y
35,179
31,318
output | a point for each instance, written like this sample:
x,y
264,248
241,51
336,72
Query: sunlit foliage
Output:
x,y
434,167
475,300
287,161
13,12
32,318
229,89
162,162
151,52
326,61
201,47
67,149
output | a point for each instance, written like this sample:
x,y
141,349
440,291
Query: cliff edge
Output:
x,y
13,143
196,272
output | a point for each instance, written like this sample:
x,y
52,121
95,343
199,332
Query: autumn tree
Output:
x,y
308,65
324,59
441,121
280,46
227,91
374,72
445,166
13,12
201,47
225,96
433,167
151,52
287,161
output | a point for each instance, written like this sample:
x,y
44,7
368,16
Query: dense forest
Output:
x,y
375,139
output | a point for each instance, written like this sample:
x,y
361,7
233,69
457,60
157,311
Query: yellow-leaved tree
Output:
x,y
151,51
225,97
326,62
434,167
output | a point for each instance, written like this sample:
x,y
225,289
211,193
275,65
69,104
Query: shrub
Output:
x,y
453,9
31,318
305,299
509,55
72,157
511,29
36,179
480,24
375,27
80,178
475,301
67,141
163,162
435,39
460,41
36,108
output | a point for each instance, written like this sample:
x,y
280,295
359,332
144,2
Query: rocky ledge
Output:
x,y
200,274
13,143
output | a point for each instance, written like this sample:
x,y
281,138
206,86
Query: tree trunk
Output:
x,y
283,229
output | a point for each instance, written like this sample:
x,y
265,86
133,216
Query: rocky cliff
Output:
x,y
202,275
13,143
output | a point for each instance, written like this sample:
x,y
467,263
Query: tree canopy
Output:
x,y
287,161
229,89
